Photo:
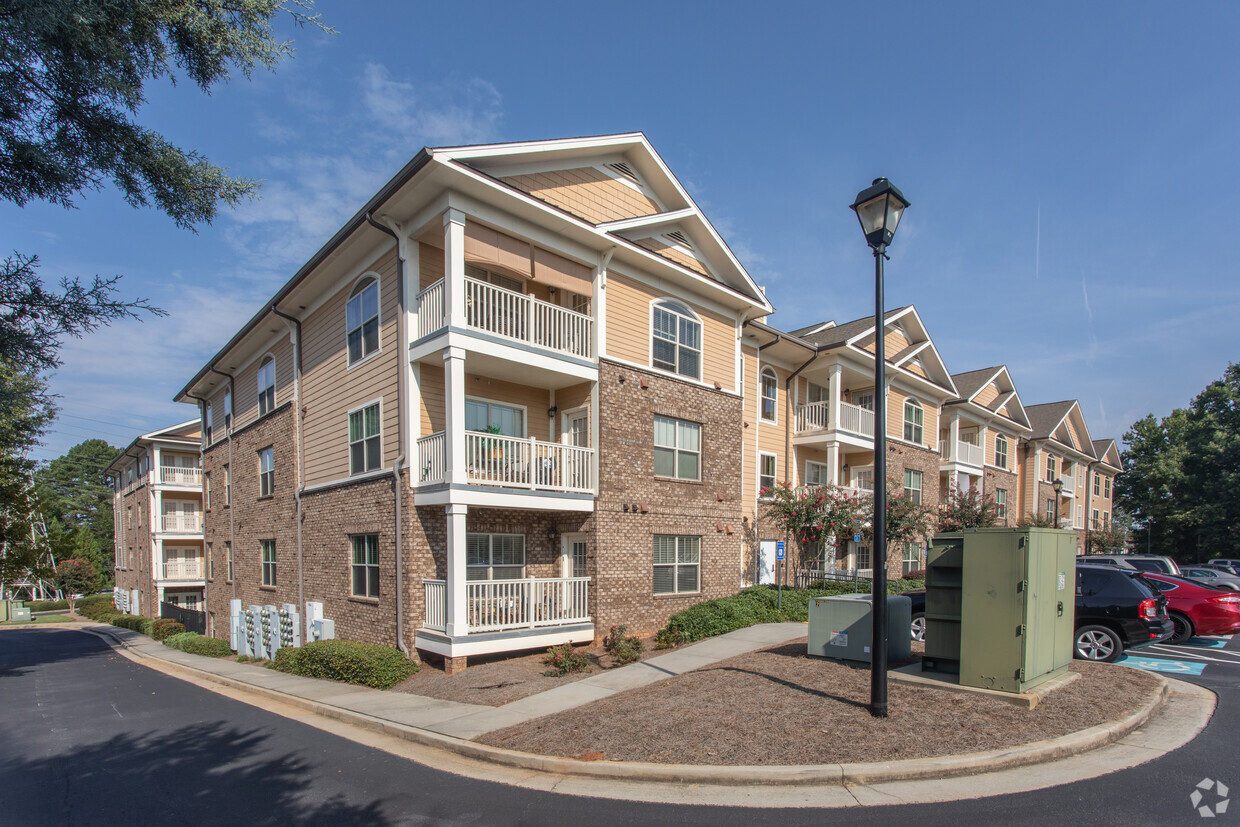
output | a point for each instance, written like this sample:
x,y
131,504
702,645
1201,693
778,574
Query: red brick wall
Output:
x,y
1006,480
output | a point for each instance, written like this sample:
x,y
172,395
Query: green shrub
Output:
x,y
350,661
623,648
46,605
564,659
195,644
96,607
137,623
166,627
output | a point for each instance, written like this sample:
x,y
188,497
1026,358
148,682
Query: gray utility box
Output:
x,y
21,615
841,627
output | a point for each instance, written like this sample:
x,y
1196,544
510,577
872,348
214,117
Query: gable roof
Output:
x,y
1107,453
1057,421
971,383
188,433
829,334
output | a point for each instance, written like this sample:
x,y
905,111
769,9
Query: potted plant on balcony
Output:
x,y
493,447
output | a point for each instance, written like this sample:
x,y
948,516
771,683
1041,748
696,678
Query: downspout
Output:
x,y
232,527
397,490
301,464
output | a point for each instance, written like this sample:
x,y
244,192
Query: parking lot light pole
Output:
x,y
879,209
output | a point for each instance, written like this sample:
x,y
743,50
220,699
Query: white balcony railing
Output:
x,y
856,419
499,605
491,459
176,475
815,416
181,523
1069,483
966,453
511,315
184,569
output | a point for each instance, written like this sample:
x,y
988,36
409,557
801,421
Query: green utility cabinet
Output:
x,y
1000,604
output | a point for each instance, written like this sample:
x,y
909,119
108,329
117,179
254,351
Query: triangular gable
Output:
x,y
906,340
597,193
998,395
1108,453
186,431
1073,432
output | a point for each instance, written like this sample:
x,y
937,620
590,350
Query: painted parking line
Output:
x,y
1178,667
1205,643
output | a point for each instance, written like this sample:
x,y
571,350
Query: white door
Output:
x,y
766,561
576,433
573,564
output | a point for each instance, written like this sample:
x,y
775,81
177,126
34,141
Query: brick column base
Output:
x,y
453,665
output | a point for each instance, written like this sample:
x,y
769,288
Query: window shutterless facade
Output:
x,y
766,474
365,565
494,556
912,558
1097,485
863,557
266,472
1106,488
229,559
677,448
770,386
267,386
227,486
676,342
365,450
362,320
912,485
914,419
1050,509
1050,468
1001,503
267,549
677,564
206,491
1001,451
482,415
816,473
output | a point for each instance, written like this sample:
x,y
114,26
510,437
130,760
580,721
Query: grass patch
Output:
x,y
39,619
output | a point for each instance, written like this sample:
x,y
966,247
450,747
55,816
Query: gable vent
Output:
x,y
679,238
623,168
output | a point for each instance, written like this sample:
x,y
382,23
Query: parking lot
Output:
x,y
1198,656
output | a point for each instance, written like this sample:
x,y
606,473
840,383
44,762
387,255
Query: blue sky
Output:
x,y
1066,163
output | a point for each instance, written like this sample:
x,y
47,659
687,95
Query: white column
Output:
x,y
454,409
454,267
833,463
953,438
833,400
458,618
156,462
413,279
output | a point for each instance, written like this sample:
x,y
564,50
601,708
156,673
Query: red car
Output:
x,y
1197,609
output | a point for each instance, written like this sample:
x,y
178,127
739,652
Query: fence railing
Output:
x,y
966,452
436,592
177,475
181,523
432,458
499,605
813,416
856,419
190,569
527,463
193,621
432,313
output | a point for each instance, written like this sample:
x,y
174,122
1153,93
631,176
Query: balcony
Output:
x,y
507,605
181,523
510,462
966,453
176,475
854,419
183,569
512,316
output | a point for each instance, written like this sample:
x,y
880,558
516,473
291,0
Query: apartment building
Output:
x,y
157,508
500,409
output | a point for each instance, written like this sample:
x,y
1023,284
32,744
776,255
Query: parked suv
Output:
x,y
1116,609
1223,561
1117,561
1142,562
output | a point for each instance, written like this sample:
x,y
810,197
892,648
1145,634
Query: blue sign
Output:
x,y
1177,667
779,550
856,538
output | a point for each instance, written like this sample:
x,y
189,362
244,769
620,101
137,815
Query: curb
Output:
x,y
947,766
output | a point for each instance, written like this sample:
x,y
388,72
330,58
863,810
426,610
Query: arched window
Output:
x,y
676,344
361,316
914,417
267,386
770,386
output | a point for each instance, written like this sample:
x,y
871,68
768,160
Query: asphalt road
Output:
x,y
89,737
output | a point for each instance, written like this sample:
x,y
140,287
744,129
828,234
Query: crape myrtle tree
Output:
x,y
75,577
967,508
813,514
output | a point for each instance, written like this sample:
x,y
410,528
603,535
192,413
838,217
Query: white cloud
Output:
x,y
435,115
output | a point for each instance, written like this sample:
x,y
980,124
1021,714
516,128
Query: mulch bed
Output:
x,y
778,707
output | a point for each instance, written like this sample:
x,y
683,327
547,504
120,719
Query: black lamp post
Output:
x,y
1058,486
879,209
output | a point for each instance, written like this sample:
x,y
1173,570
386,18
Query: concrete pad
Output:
x,y
558,699
633,676
722,648
677,663
403,708
477,723
769,634
912,674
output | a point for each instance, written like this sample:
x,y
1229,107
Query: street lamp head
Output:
x,y
1057,485
879,209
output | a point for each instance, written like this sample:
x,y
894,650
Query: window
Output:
x,y
1097,523
1001,503
227,486
267,386
677,341
865,400
1097,485
912,557
816,473
268,550
1001,450
1050,509
494,556
364,448
817,393
208,424
913,419
1106,488
766,474
677,561
863,557
228,558
481,416
361,316
266,472
677,448
770,387
228,411
365,565
206,491
1106,519
912,485
210,563
1050,468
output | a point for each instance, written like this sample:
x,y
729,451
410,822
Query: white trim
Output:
x,y
913,353
349,442
775,475
525,413
701,349
366,357
762,372
644,221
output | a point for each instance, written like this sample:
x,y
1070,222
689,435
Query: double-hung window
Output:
x,y
208,423
766,475
914,418
1001,451
228,559
267,386
863,557
266,472
267,549
365,565
677,564
1106,488
228,410
1050,468
1050,509
362,320
1001,503
912,557
816,473
364,444
912,485
227,486
677,448
676,344
770,387
1097,485
494,556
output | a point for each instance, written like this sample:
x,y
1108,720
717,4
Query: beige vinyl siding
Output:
x,y
570,399
987,395
431,406
894,343
1003,411
749,435
586,192
895,417
628,330
1076,438
330,389
672,254
216,403
805,454
245,398
771,435
914,367
536,401
430,263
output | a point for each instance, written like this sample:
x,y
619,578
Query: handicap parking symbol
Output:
x,y
1175,667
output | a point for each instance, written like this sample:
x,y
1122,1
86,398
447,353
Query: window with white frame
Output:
x,y
1106,488
484,416
770,391
1001,451
914,418
677,448
207,422
227,411
1097,521
361,315
1001,503
1079,522
677,564
227,486
206,491
766,474
1050,468
365,564
676,342
228,559
365,452
817,393
1050,509
861,556
494,556
912,558
267,386
816,473
1106,519
864,399
266,472
912,485
267,548
1097,485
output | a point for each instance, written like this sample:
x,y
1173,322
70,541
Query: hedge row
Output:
x,y
46,605
349,661
757,604
195,644
97,607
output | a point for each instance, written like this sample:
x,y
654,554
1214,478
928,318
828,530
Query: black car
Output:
x,y
1116,610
